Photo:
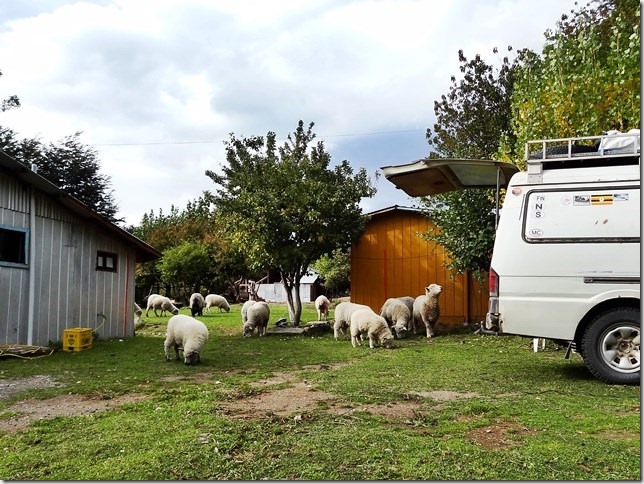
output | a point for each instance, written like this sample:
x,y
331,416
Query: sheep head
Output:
x,y
191,358
433,290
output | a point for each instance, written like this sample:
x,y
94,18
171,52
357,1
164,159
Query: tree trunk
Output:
x,y
293,299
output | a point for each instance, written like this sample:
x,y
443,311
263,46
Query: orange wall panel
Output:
x,y
392,260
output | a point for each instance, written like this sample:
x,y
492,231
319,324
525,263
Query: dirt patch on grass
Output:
x,y
396,410
11,387
298,398
618,435
499,436
445,396
28,411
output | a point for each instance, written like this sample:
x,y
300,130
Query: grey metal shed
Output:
x,y
62,265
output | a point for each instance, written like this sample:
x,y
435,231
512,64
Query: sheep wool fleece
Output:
x,y
188,333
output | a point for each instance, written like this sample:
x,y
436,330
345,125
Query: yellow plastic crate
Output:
x,y
77,339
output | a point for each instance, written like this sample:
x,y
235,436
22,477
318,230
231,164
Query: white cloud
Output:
x,y
158,71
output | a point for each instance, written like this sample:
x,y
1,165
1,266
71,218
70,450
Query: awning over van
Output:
x,y
432,176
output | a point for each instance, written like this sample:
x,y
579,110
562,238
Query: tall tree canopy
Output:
x,y
178,235
285,206
471,121
587,80
68,164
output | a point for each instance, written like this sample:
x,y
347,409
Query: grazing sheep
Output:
x,y
397,315
137,313
365,321
426,309
322,305
187,333
244,309
155,301
409,302
257,316
218,301
342,316
196,304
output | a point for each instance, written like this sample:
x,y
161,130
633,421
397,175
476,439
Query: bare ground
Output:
x,y
293,397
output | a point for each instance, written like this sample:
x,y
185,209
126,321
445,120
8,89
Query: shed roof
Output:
x,y
144,252
392,209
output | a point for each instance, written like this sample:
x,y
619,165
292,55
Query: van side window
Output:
x,y
583,215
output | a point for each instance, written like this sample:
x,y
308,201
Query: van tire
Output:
x,y
610,346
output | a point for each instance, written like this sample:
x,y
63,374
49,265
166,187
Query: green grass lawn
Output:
x,y
457,407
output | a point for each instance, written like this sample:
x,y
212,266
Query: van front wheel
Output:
x,y
611,346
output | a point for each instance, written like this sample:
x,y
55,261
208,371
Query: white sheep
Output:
x,y
322,305
365,321
217,301
196,304
244,309
426,309
397,315
256,317
342,316
188,333
155,301
409,302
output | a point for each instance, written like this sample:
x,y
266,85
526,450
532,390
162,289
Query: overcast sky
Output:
x,y
157,86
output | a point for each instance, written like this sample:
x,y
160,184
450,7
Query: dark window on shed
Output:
x,y
13,246
106,261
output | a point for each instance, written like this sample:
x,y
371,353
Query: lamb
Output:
x,y
196,304
218,301
155,301
365,321
426,309
322,305
256,317
188,333
397,315
343,316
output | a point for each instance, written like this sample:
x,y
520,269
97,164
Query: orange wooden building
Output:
x,y
392,260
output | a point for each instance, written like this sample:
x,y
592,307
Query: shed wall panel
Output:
x,y
69,291
391,259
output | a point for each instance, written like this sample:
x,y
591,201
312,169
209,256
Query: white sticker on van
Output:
x,y
581,200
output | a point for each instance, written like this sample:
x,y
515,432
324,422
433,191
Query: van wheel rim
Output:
x,y
620,348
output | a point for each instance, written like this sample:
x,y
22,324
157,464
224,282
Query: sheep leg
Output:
x,y
428,327
176,350
355,341
372,341
166,348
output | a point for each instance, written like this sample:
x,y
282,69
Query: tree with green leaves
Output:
x,y
471,120
284,207
68,164
11,102
335,270
587,79
197,224
183,267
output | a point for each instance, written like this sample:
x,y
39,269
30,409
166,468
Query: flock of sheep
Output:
x,y
398,316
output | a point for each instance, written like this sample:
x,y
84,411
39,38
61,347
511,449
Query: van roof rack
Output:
x,y
613,148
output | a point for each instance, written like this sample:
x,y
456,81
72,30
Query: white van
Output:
x,y
566,260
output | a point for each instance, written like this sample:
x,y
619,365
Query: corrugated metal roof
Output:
x,y
144,252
